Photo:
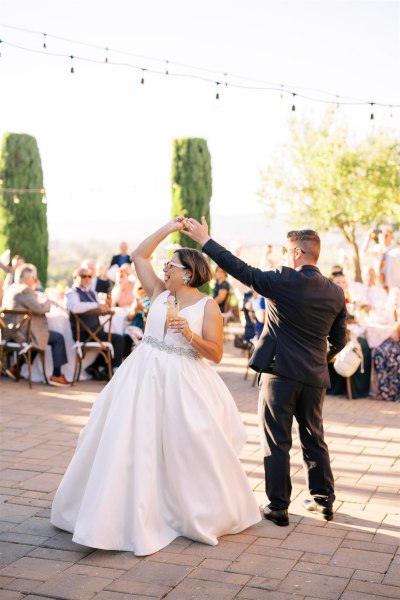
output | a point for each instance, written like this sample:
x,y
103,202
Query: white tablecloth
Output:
x,y
59,321
375,334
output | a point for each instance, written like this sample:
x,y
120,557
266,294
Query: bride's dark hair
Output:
x,y
195,262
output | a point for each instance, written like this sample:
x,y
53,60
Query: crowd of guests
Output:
x,y
101,288
375,301
95,291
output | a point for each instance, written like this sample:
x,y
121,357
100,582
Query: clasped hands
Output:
x,y
192,228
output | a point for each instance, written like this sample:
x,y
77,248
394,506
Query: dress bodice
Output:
x,y
155,324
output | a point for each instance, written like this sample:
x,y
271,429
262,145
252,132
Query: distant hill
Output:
x,y
246,230
245,235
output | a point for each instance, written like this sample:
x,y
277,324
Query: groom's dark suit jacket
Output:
x,y
305,323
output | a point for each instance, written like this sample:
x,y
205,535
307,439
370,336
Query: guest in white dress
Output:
x,y
158,458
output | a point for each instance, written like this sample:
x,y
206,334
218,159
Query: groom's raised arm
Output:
x,y
260,281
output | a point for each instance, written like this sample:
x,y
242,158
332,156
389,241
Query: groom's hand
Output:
x,y
197,231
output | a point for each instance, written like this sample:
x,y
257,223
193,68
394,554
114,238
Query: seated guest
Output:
x,y
243,341
221,289
380,245
123,257
81,299
16,262
371,294
257,312
387,365
394,302
336,270
102,284
249,329
21,295
90,265
4,260
136,319
352,289
140,307
339,278
122,294
360,381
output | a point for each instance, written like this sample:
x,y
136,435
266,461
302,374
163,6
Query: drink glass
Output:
x,y
102,297
172,312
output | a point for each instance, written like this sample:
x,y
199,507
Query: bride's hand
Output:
x,y
177,223
180,325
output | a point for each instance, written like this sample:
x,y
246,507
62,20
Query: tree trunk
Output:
x,y
349,232
357,264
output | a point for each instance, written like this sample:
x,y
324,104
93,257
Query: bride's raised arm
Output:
x,y
142,255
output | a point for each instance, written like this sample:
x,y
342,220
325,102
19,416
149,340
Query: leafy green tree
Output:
x,y
23,215
331,182
191,183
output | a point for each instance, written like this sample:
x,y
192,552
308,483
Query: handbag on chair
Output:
x,y
349,359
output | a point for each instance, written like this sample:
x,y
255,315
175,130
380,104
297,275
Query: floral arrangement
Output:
x,y
172,300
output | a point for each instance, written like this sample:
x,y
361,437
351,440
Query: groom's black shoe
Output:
x,y
279,517
313,506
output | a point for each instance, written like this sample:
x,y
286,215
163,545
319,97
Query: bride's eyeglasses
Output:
x,y
171,263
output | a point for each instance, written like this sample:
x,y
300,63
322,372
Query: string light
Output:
x,y
106,57
372,111
217,93
17,192
142,80
293,105
22,190
261,85
72,64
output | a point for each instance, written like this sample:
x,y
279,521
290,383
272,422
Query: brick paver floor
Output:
x,y
354,557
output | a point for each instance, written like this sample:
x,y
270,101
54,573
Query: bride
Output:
x,y
158,458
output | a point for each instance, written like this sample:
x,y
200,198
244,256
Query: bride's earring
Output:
x,y
186,279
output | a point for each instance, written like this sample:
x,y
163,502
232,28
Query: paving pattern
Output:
x,y
354,557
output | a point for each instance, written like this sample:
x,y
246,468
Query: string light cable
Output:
x,y
247,82
16,192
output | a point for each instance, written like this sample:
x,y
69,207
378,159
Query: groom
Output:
x,y
304,329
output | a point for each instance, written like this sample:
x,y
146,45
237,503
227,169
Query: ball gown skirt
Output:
x,y
158,458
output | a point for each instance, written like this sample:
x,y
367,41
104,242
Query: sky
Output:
x,y
106,140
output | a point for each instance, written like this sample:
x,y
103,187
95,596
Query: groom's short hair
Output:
x,y
310,242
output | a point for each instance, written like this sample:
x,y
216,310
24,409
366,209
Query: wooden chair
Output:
x,y
87,340
15,339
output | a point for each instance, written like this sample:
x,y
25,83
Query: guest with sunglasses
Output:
x,y
305,327
81,299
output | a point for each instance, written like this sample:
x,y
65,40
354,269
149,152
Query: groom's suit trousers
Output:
x,y
281,399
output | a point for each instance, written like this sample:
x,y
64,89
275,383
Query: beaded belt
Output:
x,y
148,339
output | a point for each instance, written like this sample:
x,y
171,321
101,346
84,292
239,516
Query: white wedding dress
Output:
x,y
158,457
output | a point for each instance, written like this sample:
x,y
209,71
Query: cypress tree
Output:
x,y
23,223
191,183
